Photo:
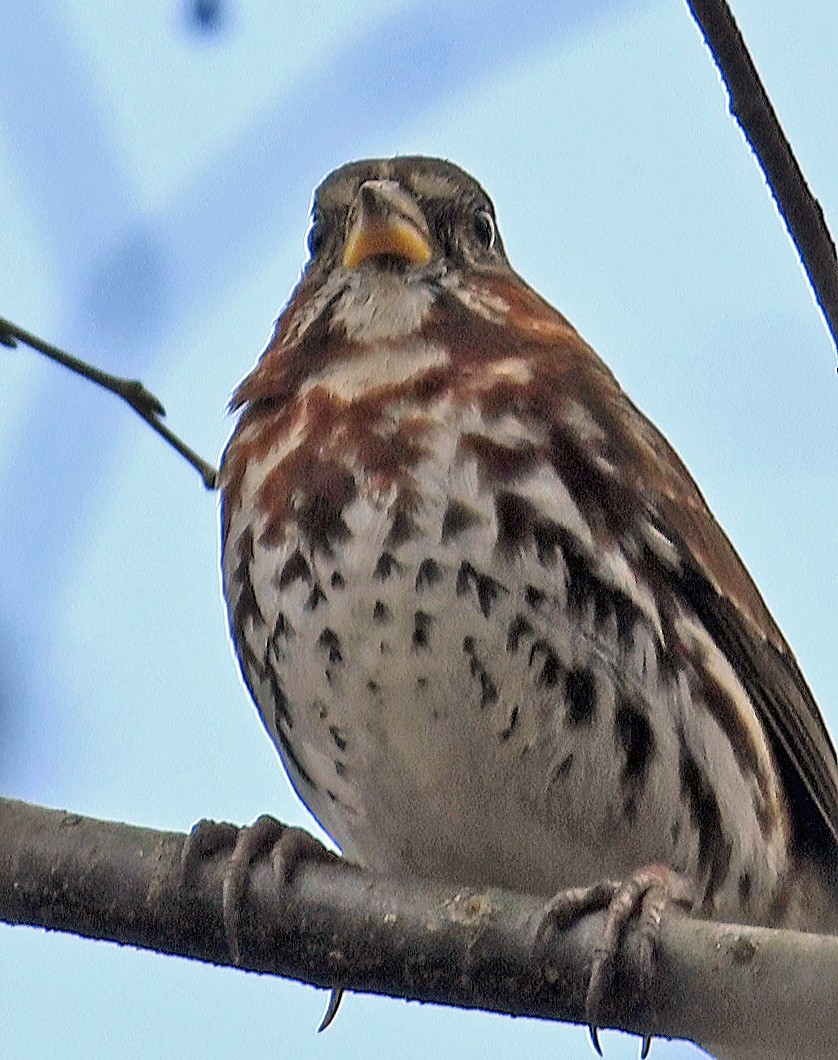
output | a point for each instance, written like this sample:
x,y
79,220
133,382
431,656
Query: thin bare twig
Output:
x,y
144,403
750,105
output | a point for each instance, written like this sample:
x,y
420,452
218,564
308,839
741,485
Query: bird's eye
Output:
x,y
316,233
484,227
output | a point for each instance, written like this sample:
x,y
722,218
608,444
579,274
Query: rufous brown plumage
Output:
x,y
485,613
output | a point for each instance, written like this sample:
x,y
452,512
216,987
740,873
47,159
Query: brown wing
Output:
x,y
710,577
769,673
714,582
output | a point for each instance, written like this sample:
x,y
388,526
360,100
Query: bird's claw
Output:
x,y
286,845
335,998
644,895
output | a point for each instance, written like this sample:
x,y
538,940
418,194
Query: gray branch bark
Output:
x,y
739,992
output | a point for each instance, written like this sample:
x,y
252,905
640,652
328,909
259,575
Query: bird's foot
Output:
x,y
645,895
286,846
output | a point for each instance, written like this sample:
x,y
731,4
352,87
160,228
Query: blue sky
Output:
x,y
154,190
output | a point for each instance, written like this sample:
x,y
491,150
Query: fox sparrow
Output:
x,y
485,613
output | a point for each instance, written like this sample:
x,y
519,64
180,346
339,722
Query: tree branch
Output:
x,y
132,391
750,105
746,991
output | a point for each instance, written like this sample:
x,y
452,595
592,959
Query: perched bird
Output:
x,y
490,624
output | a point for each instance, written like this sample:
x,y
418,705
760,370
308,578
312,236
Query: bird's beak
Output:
x,y
385,221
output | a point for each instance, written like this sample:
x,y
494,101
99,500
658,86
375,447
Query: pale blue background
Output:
x,y
154,188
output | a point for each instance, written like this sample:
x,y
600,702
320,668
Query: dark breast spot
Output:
x,y
282,712
329,640
338,737
283,725
515,517
329,488
580,697
541,653
627,616
315,598
635,737
247,607
294,568
457,519
582,586
560,771
428,575
402,529
381,613
520,523
585,589
488,689
486,588
421,630
518,627
283,630
548,537
386,567
508,729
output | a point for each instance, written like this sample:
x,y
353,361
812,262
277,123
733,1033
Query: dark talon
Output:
x,y
332,1008
594,1036
646,1046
